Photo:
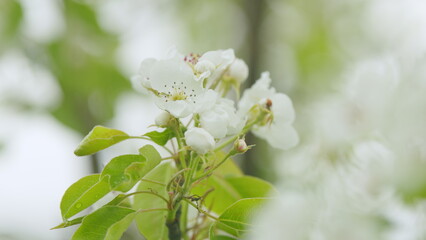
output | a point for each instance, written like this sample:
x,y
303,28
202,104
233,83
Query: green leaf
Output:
x,y
251,187
222,196
118,200
227,169
106,223
231,189
69,223
153,224
83,194
99,138
213,236
152,156
161,138
124,171
239,215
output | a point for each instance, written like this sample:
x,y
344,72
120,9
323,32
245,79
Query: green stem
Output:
x,y
201,210
166,158
184,220
181,144
148,192
172,224
167,149
175,176
153,210
215,167
232,139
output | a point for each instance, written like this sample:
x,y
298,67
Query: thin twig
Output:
x,y
201,210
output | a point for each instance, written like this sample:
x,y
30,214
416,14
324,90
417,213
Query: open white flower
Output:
x,y
199,140
277,129
174,84
212,64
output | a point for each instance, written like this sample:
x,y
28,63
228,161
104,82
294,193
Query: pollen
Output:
x,y
177,91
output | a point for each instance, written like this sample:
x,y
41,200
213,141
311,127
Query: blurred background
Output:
x,y
355,70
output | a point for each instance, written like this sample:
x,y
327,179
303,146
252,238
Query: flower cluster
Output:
x,y
196,87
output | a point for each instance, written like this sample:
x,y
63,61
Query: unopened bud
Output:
x,y
200,140
163,119
240,146
238,70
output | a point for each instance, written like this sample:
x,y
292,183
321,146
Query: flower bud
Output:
x,y
163,119
199,140
240,146
238,70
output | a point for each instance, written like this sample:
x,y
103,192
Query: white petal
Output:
x,y
174,71
282,108
137,84
205,101
260,90
282,136
179,109
215,122
221,59
144,73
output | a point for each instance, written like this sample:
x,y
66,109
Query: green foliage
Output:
x,y
239,215
152,224
152,156
228,169
222,196
227,191
124,171
69,223
10,21
251,187
161,138
83,194
106,223
99,138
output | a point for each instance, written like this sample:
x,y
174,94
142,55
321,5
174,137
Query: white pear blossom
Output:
x,y
238,71
199,140
222,119
212,64
174,84
278,129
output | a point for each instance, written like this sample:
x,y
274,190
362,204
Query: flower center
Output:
x,y
178,91
192,58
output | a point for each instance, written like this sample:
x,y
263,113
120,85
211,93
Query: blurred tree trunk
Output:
x,y
257,161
